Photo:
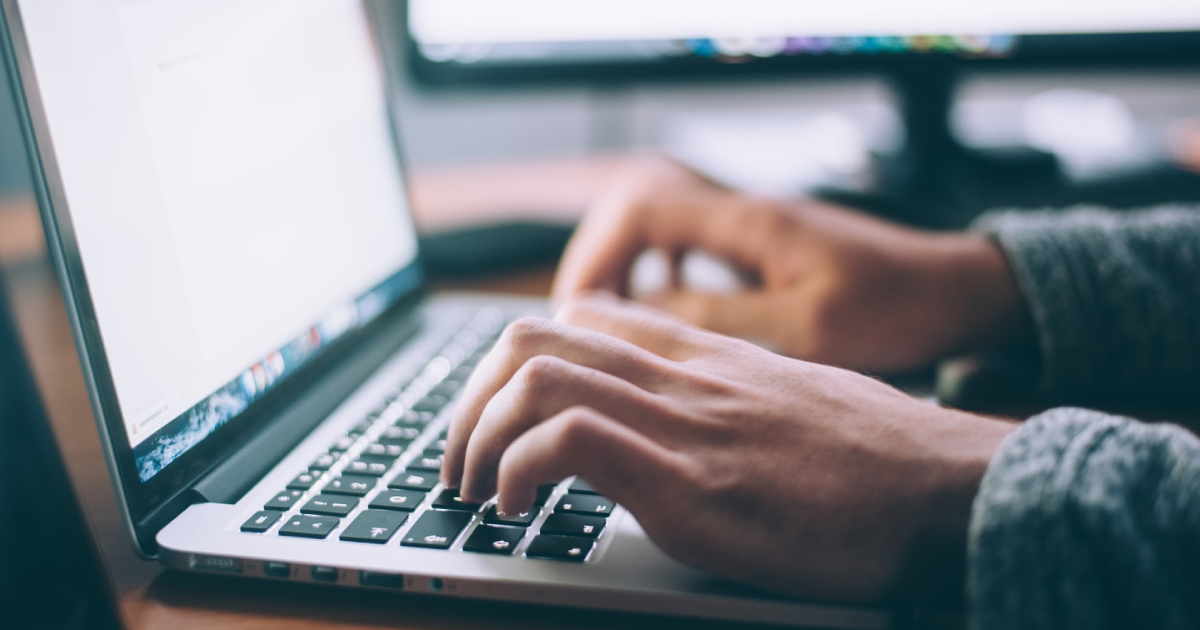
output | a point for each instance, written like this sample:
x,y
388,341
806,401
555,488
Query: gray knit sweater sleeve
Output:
x,y
1114,296
1085,520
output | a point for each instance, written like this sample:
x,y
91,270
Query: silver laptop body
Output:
x,y
226,211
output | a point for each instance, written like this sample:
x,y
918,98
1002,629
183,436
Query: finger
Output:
x,y
649,328
612,235
545,386
530,337
621,463
747,314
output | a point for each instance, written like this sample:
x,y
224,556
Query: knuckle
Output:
x,y
524,332
539,374
574,429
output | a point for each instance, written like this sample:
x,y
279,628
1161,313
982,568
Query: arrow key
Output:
x,y
436,529
493,539
374,526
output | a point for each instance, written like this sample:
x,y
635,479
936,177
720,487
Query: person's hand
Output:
x,y
830,285
796,477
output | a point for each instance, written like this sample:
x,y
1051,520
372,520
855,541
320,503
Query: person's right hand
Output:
x,y
831,285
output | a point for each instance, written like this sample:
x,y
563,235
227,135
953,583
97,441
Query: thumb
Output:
x,y
752,315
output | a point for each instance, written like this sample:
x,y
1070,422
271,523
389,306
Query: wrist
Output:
x,y
935,566
982,295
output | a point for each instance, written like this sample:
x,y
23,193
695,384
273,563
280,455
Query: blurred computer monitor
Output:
x,y
921,46
478,40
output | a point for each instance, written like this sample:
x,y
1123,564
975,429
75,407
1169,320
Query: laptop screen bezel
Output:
x,y
141,503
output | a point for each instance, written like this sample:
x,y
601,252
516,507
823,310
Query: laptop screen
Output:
x,y
234,189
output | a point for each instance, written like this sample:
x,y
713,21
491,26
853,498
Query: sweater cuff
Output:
x,y
1048,263
1084,520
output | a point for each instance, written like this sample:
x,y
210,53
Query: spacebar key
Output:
x,y
436,530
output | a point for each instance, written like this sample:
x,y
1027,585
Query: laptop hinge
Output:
x,y
237,474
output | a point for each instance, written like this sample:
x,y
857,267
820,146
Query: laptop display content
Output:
x,y
201,146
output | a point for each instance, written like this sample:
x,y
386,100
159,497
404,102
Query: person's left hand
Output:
x,y
797,477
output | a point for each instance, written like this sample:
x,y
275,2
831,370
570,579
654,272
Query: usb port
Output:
x,y
385,580
277,569
325,574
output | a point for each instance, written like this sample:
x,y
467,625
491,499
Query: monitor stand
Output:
x,y
935,181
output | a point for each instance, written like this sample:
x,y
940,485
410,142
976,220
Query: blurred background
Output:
x,y
786,131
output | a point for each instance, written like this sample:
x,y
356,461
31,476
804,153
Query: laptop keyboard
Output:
x,y
378,484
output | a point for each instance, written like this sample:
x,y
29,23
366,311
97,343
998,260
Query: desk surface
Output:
x,y
155,598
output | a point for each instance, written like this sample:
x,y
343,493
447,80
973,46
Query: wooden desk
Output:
x,y
155,598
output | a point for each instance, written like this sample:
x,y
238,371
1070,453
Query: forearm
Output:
x,y
1087,521
1112,297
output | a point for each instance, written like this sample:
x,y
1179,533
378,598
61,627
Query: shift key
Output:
x,y
436,530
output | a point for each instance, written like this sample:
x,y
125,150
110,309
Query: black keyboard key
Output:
x,y
436,530
324,462
390,451
588,504
260,522
304,481
362,427
431,403
569,548
400,443
449,500
343,444
432,458
573,525
446,389
351,485
543,493
580,486
306,526
284,501
398,432
416,418
374,526
370,465
330,505
428,462
462,373
414,480
404,500
524,519
492,539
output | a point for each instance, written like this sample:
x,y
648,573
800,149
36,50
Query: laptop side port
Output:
x,y
385,580
277,569
325,574
217,563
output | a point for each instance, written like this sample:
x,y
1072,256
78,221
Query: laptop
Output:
x,y
227,212
51,575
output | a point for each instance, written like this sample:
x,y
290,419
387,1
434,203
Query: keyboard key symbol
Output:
x,y
434,539
575,551
376,532
587,529
398,498
500,544
260,520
